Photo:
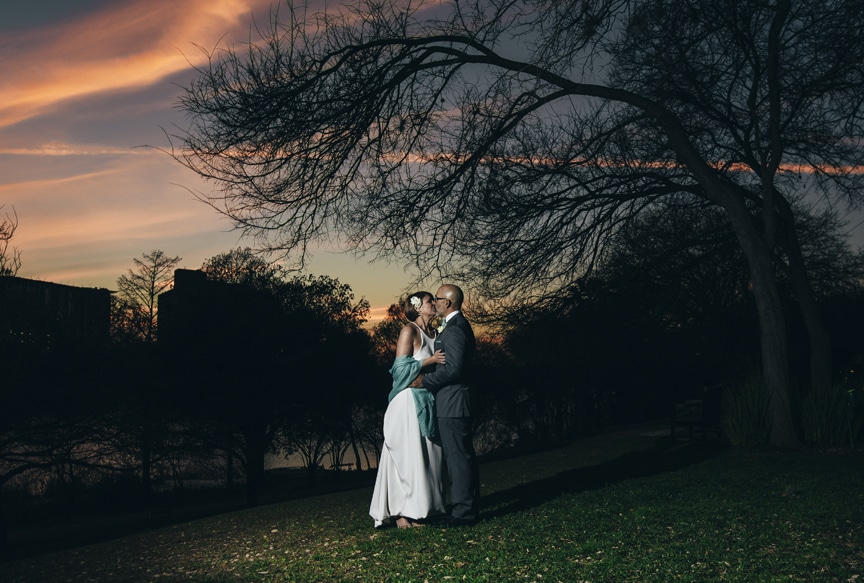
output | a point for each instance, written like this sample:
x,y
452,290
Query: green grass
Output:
x,y
623,507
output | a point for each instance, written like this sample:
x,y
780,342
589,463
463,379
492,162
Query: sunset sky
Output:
x,y
85,84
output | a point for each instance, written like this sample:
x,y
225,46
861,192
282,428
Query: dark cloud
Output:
x,y
18,15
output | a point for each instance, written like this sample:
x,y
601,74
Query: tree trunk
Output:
x,y
775,356
254,469
366,455
229,469
4,538
772,324
356,449
146,465
821,375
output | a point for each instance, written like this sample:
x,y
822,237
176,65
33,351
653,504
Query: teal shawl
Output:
x,y
405,370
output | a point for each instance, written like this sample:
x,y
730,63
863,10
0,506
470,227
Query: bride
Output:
x,y
409,486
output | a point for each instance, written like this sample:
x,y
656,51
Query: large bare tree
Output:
x,y
502,142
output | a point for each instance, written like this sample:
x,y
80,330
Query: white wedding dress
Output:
x,y
409,469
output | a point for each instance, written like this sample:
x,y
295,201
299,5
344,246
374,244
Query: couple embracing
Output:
x,y
428,420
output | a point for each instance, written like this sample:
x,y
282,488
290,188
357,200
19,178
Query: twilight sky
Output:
x,y
84,84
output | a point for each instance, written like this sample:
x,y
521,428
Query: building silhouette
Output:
x,y
52,319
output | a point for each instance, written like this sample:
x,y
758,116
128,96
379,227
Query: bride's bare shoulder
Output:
x,y
407,336
410,329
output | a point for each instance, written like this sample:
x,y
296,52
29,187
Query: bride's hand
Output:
x,y
437,358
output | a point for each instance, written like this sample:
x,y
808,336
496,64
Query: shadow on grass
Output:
x,y
52,527
87,528
665,456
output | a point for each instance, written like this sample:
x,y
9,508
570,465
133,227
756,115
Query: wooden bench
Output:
x,y
699,416
688,415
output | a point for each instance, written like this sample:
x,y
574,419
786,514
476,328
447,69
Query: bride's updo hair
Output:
x,y
408,306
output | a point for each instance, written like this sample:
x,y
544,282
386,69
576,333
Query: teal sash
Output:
x,y
405,370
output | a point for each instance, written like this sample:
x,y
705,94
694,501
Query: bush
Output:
x,y
744,412
116,490
492,435
832,416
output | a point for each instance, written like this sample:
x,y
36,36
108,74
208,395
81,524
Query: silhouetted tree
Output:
x,y
10,258
52,426
487,142
143,409
270,357
669,311
366,431
144,412
134,314
239,370
20,451
329,321
386,332
245,267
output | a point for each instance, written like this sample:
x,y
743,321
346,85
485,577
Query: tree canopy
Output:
x,y
135,306
274,361
502,143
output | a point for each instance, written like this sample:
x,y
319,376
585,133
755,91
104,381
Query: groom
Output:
x,y
449,383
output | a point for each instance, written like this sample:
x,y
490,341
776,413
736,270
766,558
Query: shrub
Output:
x,y
832,416
744,412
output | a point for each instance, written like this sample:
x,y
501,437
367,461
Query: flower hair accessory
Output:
x,y
416,302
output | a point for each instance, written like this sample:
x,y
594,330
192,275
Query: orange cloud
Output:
x,y
86,202
377,313
55,148
39,183
129,44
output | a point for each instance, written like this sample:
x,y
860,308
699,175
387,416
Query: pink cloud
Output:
x,y
75,100
130,44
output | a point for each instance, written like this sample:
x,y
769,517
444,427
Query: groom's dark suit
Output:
x,y
449,383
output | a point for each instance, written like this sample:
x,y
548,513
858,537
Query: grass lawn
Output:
x,y
620,507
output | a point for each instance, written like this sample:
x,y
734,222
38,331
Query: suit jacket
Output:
x,y
449,382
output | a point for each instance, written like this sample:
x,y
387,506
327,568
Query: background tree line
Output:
x,y
266,362
280,363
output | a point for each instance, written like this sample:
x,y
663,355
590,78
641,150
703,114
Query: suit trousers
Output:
x,y
462,469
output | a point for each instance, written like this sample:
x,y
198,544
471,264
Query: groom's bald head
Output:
x,y
453,293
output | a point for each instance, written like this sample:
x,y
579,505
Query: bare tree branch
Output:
x,y
504,143
10,258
